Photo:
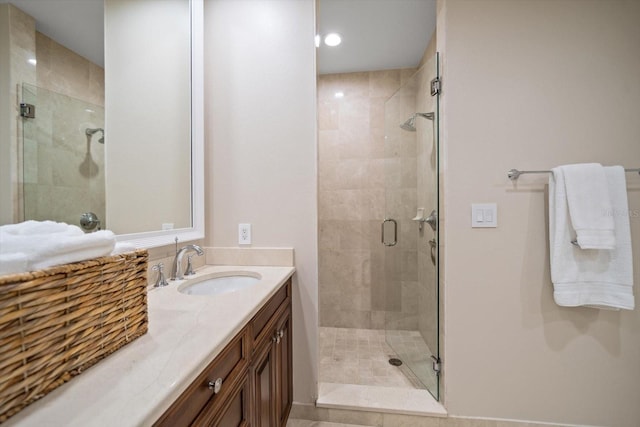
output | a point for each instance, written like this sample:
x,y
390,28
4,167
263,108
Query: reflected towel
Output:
x,y
34,245
597,278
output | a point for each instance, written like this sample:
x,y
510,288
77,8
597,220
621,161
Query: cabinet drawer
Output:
x,y
228,366
261,319
233,412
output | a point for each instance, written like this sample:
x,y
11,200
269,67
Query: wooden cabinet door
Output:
x,y
284,374
264,388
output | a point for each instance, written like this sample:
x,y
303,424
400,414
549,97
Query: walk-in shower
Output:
x,y
378,300
409,125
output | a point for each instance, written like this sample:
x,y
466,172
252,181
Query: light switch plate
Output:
x,y
484,215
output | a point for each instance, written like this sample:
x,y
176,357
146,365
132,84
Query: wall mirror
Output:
x,y
117,137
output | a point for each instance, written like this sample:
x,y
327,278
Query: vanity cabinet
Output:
x,y
250,382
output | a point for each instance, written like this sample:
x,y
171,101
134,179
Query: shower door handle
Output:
x,y
395,232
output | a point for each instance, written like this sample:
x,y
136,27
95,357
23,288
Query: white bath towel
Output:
x,y
591,277
123,247
34,245
589,205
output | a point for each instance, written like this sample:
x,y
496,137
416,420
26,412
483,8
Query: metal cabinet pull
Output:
x,y
215,386
277,336
395,232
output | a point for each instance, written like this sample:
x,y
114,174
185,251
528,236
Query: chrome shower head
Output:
x,y
89,132
410,124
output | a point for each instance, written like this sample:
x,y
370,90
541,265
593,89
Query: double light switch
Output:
x,y
484,215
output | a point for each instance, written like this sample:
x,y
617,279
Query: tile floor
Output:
x,y
361,356
308,423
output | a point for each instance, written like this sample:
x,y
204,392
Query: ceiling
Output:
x,y
75,24
376,34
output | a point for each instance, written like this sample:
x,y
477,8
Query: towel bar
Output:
x,y
514,174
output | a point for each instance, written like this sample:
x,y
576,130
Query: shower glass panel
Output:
x,y
63,164
411,195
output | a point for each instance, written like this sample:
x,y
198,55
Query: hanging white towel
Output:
x,y
591,277
34,245
589,205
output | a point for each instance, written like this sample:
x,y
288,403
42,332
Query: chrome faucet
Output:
x,y
176,270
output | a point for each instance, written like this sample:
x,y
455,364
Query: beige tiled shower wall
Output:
x,y
22,47
62,71
356,163
64,170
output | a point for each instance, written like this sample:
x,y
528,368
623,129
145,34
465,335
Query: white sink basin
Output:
x,y
220,284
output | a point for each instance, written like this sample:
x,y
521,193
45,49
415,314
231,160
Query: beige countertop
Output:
x,y
136,384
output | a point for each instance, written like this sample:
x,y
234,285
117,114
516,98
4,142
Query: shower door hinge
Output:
x,y
27,111
437,364
436,86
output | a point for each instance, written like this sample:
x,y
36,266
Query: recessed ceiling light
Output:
x,y
339,94
332,39
317,40
32,61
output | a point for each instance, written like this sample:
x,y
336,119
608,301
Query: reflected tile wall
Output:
x,y
353,160
63,169
22,49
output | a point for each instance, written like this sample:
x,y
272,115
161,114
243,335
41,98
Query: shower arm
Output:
x,y
428,116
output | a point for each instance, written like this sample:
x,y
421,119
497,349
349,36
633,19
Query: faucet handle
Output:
x,y
189,271
161,281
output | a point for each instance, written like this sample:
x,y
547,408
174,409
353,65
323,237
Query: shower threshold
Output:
x,y
390,400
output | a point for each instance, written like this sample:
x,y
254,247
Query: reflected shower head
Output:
x,y
89,132
409,125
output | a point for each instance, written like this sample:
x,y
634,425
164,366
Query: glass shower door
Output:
x,y
410,232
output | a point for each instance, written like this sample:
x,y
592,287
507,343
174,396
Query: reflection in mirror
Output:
x,y
126,160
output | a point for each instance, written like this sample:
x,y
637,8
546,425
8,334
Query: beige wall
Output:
x,y
260,134
531,85
148,114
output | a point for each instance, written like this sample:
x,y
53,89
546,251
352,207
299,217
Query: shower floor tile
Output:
x,y
361,356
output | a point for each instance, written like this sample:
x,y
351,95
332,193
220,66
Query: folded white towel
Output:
x,y
34,245
597,278
589,205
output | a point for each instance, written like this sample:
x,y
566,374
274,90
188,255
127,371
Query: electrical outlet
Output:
x,y
244,234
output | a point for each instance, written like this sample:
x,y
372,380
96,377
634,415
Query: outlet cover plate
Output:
x,y
244,234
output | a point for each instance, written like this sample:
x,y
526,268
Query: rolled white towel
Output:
x,y
45,244
13,263
122,247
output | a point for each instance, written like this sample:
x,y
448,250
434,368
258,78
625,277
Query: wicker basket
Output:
x,y
56,322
